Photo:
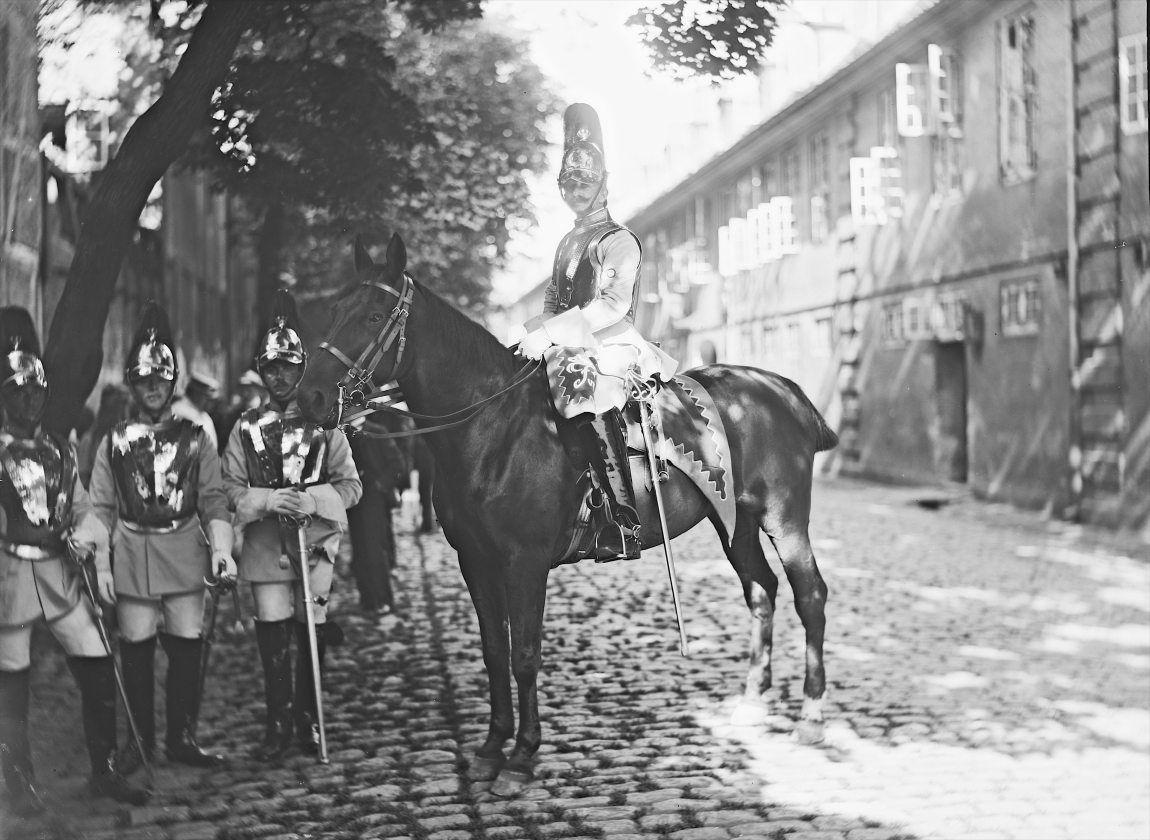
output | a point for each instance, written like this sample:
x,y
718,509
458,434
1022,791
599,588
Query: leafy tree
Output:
x,y
719,38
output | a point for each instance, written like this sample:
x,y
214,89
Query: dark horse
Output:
x,y
506,494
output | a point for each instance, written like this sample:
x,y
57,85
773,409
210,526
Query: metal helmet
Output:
x,y
583,158
282,340
152,350
21,363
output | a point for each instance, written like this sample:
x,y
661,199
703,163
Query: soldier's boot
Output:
x,y
138,660
274,641
97,683
183,702
15,751
306,721
619,538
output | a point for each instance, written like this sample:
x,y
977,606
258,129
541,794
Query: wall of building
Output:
x,y
20,177
881,320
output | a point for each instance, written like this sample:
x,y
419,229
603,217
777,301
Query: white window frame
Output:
x,y
1020,306
911,88
1012,100
1132,83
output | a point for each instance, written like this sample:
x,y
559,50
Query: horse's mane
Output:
x,y
468,337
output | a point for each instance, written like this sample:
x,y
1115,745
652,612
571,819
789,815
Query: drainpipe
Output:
x,y
1075,462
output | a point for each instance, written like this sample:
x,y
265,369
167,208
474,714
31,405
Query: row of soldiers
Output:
x,y
163,516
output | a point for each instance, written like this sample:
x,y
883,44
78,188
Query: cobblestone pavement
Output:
x,y
989,678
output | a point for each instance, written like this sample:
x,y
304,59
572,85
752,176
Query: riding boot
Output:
x,y
274,641
183,702
306,720
15,751
97,682
618,539
139,663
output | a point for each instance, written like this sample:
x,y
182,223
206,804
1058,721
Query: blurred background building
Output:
x,y
944,241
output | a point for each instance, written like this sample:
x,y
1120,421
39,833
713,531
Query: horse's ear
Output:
x,y
396,256
363,259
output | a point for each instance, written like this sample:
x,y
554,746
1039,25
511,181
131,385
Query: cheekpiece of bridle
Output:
x,y
355,388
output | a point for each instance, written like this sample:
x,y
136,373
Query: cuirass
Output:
x,y
574,270
282,450
39,476
156,467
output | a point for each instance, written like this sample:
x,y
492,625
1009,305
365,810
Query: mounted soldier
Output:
x,y
156,485
44,506
290,482
587,334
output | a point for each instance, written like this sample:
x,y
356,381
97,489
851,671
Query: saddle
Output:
x,y
687,434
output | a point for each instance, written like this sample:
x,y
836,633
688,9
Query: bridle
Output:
x,y
356,391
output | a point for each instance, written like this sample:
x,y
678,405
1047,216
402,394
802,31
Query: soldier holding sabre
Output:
x,y
290,483
44,505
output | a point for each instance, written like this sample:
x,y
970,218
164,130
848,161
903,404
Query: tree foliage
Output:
x,y
717,38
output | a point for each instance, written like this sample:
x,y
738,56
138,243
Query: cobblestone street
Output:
x,y
989,677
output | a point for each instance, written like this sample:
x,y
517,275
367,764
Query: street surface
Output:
x,y
989,677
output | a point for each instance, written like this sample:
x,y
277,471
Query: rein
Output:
x,y
354,385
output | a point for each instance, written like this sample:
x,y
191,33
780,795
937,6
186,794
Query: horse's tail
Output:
x,y
825,437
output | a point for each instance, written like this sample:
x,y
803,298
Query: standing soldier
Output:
x,y
156,485
589,313
282,473
43,505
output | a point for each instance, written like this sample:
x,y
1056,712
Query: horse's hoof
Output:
x,y
810,732
510,782
485,768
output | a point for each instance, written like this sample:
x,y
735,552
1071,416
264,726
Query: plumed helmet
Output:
x,y
282,340
583,158
21,362
152,350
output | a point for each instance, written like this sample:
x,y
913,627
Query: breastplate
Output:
x,y
156,467
282,450
575,268
36,485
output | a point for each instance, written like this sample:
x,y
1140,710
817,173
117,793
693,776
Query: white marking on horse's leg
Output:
x,y
812,709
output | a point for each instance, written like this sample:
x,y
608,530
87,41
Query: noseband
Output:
x,y
355,386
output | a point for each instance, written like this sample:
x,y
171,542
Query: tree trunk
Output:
x,y
74,351
269,253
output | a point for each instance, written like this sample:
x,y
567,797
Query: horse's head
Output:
x,y
366,340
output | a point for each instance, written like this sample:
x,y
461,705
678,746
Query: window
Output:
x,y
823,341
946,161
1020,307
911,99
1132,81
820,187
876,187
1017,99
893,329
887,121
789,174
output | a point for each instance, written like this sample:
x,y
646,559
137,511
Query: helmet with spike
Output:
x,y
152,352
282,340
21,362
583,158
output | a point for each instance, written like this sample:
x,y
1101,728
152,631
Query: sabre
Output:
x,y
83,556
645,423
312,642
217,585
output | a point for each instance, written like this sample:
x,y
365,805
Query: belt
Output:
x,y
25,551
163,526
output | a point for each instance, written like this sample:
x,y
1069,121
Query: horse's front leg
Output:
x,y
526,594
487,594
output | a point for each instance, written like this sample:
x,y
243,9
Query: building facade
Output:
x,y
945,243
21,204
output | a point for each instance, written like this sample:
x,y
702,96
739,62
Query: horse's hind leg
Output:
x,y
760,586
794,549
491,607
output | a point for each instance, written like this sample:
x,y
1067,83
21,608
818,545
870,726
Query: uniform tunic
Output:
x,y
152,565
265,538
43,582
589,313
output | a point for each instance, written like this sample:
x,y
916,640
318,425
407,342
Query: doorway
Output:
x,y
950,400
